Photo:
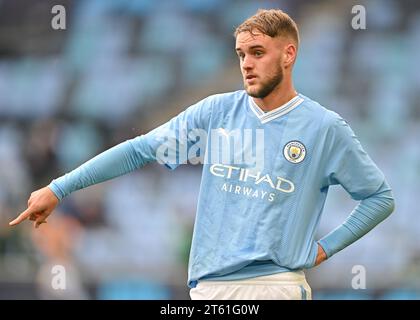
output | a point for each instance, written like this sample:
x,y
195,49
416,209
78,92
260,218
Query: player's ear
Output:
x,y
289,55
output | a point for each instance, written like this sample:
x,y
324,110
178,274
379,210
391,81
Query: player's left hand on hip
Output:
x,y
321,256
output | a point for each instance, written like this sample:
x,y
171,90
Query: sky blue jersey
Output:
x,y
264,183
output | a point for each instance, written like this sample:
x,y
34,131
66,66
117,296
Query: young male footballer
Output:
x,y
259,205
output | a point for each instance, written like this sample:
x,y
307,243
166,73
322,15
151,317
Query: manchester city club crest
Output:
x,y
294,151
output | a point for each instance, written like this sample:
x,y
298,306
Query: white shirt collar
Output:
x,y
277,112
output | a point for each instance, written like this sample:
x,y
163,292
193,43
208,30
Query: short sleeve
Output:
x,y
348,164
180,139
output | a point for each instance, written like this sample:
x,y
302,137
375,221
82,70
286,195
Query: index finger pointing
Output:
x,y
23,216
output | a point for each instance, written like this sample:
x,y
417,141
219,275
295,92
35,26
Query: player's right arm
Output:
x,y
116,161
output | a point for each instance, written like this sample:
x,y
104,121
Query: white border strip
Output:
x,y
280,113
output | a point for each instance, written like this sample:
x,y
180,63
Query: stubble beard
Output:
x,y
266,87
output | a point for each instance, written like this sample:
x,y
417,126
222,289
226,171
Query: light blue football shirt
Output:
x,y
264,183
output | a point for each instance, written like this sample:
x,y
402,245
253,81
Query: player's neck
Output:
x,y
279,96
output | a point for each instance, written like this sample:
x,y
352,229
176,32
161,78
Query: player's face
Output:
x,y
261,59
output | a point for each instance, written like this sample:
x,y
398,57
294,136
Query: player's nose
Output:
x,y
247,63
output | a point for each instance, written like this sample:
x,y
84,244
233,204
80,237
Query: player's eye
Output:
x,y
241,55
258,53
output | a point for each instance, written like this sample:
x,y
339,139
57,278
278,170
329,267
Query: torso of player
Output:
x,y
261,157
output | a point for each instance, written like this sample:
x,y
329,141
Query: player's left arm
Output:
x,y
351,167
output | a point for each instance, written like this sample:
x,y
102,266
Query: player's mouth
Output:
x,y
250,78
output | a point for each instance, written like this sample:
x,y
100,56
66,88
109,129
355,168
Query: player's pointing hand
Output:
x,y
41,204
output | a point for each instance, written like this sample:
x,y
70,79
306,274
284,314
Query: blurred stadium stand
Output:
x,y
123,67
